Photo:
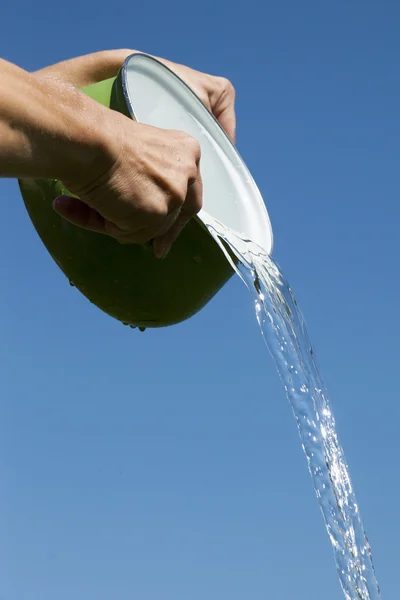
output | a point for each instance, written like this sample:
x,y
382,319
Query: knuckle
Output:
x,y
194,201
188,148
196,149
181,137
198,204
227,87
172,192
169,196
193,175
159,209
177,200
195,208
192,145
193,160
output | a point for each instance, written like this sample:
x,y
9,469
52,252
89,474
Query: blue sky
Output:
x,y
167,464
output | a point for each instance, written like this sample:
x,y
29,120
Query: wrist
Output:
x,y
84,150
48,129
98,137
86,70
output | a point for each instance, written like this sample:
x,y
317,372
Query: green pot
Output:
x,y
126,281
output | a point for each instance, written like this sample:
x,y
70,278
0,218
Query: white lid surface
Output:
x,y
156,96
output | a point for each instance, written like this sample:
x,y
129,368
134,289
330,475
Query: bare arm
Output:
x,y
47,129
217,93
135,183
88,69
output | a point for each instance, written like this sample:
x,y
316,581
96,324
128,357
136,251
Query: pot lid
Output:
x,y
156,96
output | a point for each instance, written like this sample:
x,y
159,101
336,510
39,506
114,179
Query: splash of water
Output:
x,y
284,331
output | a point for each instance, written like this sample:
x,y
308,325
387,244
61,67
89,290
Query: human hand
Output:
x,y
149,190
217,93
134,200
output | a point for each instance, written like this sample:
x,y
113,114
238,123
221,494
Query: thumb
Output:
x,y
162,244
78,213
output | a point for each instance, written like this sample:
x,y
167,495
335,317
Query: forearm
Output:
x,y
47,129
88,69
91,68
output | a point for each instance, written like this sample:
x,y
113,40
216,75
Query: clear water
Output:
x,y
284,331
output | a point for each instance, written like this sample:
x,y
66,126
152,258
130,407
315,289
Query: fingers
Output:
x,y
223,105
193,204
78,213
146,234
227,120
150,195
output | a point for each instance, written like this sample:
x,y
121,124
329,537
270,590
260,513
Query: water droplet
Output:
x,y
71,283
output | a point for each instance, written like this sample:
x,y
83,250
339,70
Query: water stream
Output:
x,y
284,331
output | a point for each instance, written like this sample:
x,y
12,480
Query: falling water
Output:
x,y
284,331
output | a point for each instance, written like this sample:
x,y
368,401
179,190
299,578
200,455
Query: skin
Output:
x,y
134,182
